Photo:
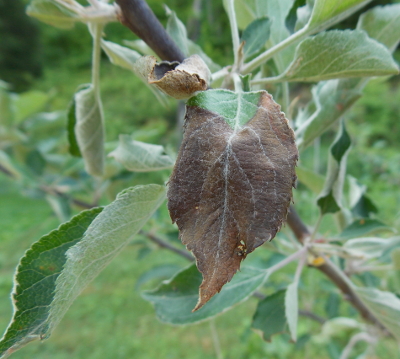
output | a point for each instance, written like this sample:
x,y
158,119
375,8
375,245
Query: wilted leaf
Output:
x,y
232,183
180,81
256,35
385,306
52,13
89,129
337,54
35,282
270,315
175,299
139,156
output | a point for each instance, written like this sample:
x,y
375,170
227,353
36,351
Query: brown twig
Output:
x,y
140,19
163,244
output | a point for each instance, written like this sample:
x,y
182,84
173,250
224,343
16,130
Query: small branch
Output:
x,y
166,245
140,19
329,269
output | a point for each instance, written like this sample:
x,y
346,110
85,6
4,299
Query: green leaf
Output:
x,y
141,157
339,54
35,282
312,180
382,24
256,35
362,227
385,306
174,300
160,272
89,129
292,308
60,206
330,200
395,257
71,122
328,12
332,99
291,18
177,30
246,12
141,46
367,247
360,204
29,103
246,82
236,108
120,55
6,162
270,315
106,236
52,13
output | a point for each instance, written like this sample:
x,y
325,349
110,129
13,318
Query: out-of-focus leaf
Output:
x,y
35,282
270,315
362,227
330,198
52,13
328,12
89,129
175,299
367,247
312,180
177,30
246,82
164,271
338,54
141,46
28,103
385,306
338,327
292,308
36,162
246,12
291,18
60,206
141,157
383,24
7,165
360,204
256,35
120,55
71,122
395,256
332,99
237,156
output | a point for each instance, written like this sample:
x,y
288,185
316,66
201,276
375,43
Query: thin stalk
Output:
x,y
267,80
96,31
316,227
215,338
299,254
265,56
237,82
234,30
285,98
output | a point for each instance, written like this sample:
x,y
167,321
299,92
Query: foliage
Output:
x,y
84,170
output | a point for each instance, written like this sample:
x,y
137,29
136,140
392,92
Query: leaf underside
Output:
x,y
232,183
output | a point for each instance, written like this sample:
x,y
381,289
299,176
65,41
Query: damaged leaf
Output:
x,y
180,81
232,183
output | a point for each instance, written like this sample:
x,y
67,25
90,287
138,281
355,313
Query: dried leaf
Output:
x,y
232,183
180,81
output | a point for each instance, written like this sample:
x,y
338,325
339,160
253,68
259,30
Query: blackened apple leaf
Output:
x,y
232,183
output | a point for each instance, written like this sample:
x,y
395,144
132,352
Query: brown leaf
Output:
x,y
180,81
231,187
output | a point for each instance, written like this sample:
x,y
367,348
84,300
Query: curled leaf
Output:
x,y
180,81
232,183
